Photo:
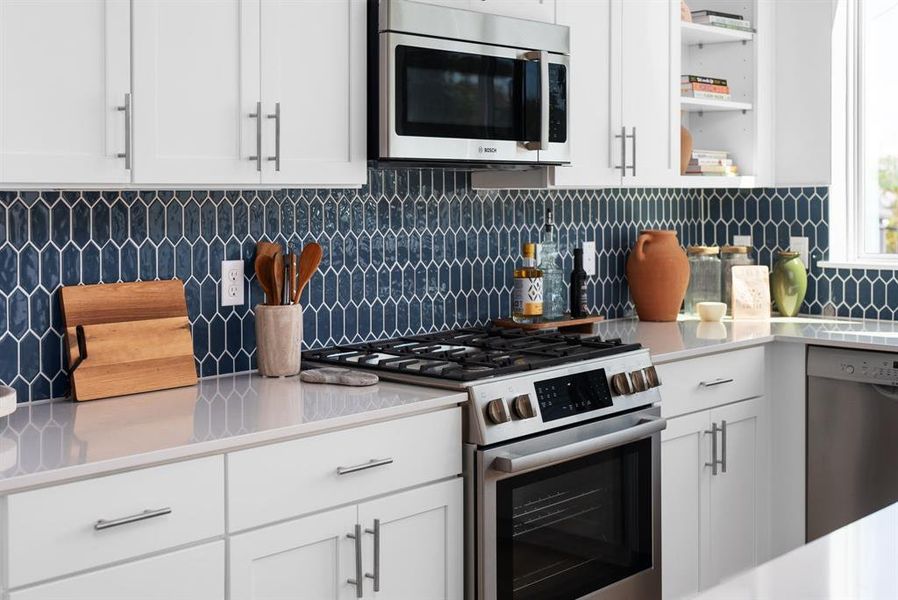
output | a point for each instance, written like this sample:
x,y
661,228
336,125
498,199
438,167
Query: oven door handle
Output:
x,y
648,426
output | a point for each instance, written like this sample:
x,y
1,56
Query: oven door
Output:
x,y
572,514
448,100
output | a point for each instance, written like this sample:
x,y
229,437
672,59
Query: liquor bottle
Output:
x,y
527,297
553,277
579,307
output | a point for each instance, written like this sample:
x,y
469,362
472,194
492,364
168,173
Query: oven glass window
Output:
x,y
568,530
462,95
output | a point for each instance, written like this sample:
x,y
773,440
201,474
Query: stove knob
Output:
x,y
523,407
639,384
651,376
498,411
620,385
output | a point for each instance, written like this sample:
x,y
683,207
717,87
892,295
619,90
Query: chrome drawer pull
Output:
x,y
374,462
707,384
143,516
376,575
358,582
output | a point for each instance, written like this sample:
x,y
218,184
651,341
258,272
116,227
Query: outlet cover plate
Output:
x,y
742,240
800,245
589,258
232,283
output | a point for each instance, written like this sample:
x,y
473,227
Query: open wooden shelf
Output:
x,y
694,34
708,105
716,181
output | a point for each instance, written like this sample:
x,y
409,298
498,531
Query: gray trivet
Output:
x,y
338,376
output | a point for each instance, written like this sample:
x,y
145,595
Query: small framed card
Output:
x,y
751,292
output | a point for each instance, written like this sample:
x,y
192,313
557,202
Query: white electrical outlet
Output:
x,y
800,245
231,282
742,240
589,258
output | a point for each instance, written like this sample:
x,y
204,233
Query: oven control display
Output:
x,y
572,395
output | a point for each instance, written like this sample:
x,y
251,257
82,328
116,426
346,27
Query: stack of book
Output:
x,y
712,162
720,19
695,86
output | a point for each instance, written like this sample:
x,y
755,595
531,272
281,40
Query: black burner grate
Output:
x,y
470,353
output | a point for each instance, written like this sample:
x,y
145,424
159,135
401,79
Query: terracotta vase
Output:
x,y
658,274
685,149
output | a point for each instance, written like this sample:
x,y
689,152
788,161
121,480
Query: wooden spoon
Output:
x,y
308,264
265,252
277,278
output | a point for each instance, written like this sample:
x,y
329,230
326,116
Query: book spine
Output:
x,y
724,22
706,87
701,79
706,162
715,13
705,95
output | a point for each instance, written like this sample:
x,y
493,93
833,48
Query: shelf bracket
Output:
x,y
744,42
744,111
701,46
701,113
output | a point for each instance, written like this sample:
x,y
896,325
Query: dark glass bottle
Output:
x,y
578,287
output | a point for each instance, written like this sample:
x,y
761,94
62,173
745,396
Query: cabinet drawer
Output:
x,y
702,383
196,573
53,531
285,480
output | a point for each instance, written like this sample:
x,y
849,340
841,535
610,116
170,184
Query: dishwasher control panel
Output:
x,y
853,365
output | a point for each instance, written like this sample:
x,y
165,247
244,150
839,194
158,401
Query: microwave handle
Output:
x,y
542,57
647,427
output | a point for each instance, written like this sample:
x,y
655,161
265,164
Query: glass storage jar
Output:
x,y
704,276
732,256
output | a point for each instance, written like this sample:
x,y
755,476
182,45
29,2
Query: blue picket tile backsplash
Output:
x,y
413,251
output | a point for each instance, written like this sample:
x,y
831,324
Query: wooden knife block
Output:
x,y
137,337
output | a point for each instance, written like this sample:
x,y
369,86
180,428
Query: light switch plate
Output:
x,y
232,282
800,245
742,240
589,258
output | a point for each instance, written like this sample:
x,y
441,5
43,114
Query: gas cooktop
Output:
x,y
469,354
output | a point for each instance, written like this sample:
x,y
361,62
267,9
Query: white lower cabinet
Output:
x,y
714,524
195,573
416,537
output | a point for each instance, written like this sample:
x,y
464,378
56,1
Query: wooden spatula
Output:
x,y
308,264
277,278
265,253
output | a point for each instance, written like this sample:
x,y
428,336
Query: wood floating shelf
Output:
x,y
564,325
695,34
717,181
701,105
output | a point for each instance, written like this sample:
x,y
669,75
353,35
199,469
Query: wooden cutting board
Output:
x,y
137,337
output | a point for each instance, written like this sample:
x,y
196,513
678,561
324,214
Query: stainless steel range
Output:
x,y
562,456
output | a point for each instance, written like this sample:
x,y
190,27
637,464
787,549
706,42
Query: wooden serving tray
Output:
x,y
565,324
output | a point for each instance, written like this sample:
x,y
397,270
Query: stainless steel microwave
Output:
x,y
459,87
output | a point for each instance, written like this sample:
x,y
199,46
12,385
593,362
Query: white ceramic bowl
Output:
x,y
7,400
711,311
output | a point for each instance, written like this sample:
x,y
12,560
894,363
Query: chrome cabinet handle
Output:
x,y
374,462
376,575
714,382
542,57
277,136
258,117
358,582
723,443
714,461
141,516
623,150
126,108
633,166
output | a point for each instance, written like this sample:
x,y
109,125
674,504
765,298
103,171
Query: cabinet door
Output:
x,y
313,77
648,91
535,10
737,508
196,83
685,448
197,573
305,558
420,541
595,100
65,67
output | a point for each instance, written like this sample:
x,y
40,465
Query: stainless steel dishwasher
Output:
x,y
852,436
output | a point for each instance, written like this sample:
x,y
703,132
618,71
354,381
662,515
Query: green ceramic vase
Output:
x,y
788,283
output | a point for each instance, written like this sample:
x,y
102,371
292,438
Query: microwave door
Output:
x,y
456,101
558,150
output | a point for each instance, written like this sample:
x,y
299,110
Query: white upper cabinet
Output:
x,y
196,82
65,68
314,92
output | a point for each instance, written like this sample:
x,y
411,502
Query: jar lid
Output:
x,y
703,250
529,250
787,253
735,250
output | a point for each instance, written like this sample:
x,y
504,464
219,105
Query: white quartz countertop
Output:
x,y
858,561
51,442
689,337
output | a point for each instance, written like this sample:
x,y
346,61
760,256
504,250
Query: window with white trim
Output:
x,y
871,131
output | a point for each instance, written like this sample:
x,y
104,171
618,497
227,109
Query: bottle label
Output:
x,y
527,298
